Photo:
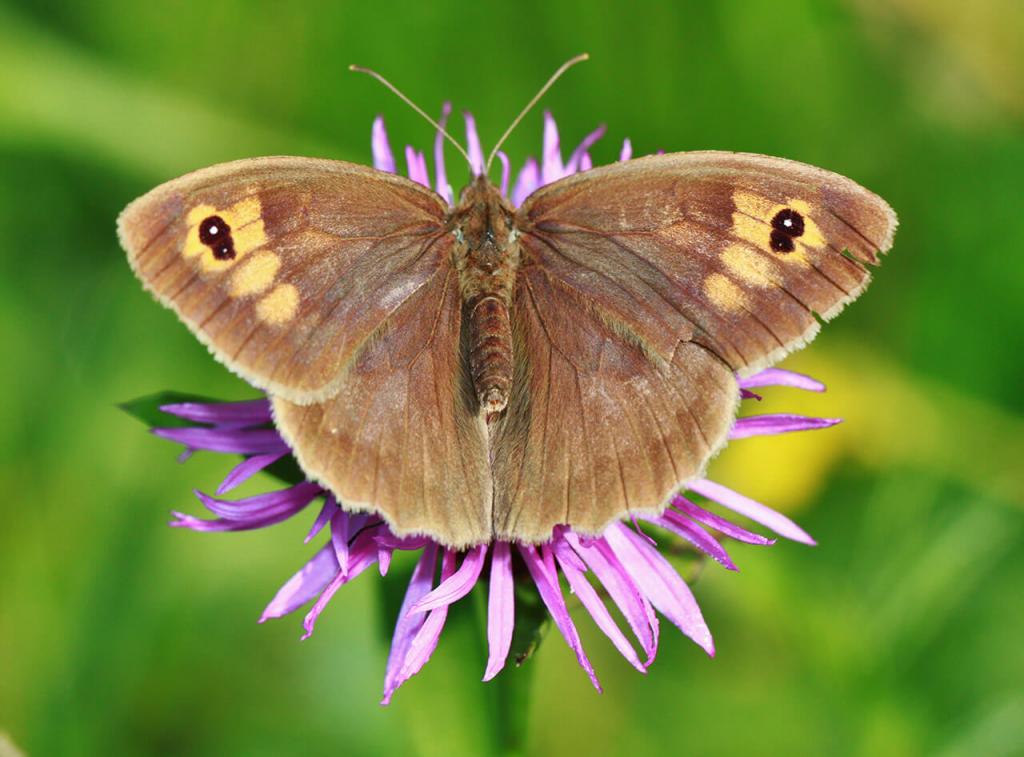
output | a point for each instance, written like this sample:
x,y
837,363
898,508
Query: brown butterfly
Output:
x,y
484,372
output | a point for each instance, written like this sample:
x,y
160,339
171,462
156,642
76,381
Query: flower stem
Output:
x,y
511,703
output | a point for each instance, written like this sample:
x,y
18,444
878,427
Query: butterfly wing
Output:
x,y
319,254
403,436
645,285
739,253
596,427
340,300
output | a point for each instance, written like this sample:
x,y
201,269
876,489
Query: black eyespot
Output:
x,y
223,250
213,229
781,241
789,222
216,234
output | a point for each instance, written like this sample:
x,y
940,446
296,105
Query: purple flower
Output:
x,y
623,567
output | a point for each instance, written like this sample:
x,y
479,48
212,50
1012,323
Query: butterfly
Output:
x,y
478,371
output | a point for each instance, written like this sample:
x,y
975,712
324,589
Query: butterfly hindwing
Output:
x,y
739,253
285,266
403,436
596,428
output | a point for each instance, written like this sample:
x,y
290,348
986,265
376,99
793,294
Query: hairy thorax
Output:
x,y
486,256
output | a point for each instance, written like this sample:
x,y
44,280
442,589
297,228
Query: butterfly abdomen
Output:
x,y
486,257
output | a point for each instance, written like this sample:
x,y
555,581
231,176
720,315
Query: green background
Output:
x,y
900,634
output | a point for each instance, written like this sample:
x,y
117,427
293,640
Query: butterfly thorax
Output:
x,y
486,256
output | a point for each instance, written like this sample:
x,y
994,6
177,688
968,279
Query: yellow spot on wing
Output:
x,y
748,265
280,305
256,274
724,293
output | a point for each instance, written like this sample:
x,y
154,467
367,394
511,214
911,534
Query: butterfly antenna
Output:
x,y
414,106
554,77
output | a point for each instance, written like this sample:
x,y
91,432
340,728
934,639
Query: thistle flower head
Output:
x,y
623,567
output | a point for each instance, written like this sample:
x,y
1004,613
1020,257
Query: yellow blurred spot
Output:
x,y
280,305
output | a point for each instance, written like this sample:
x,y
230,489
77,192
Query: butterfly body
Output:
x,y
486,256
487,372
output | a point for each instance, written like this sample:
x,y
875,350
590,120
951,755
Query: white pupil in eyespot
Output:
x,y
214,230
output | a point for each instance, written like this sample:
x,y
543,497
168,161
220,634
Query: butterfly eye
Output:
x,y
216,234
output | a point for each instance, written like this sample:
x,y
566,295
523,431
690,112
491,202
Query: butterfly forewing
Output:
x,y
739,253
285,266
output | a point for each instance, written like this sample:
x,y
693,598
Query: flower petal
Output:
x,y
500,609
363,555
230,440
443,187
620,586
506,168
581,587
551,594
749,508
627,150
330,505
416,163
383,158
575,162
304,585
697,536
718,523
551,166
661,583
408,625
780,377
778,423
526,182
476,155
424,642
459,585
251,412
247,469
293,498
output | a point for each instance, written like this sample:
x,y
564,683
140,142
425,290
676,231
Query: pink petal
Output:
x,y
627,150
661,583
526,182
500,609
476,155
728,528
322,519
362,556
304,585
777,423
581,587
242,442
292,499
459,585
780,377
551,594
622,589
575,162
416,163
247,469
383,158
505,171
747,507
249,412
551,167
424,642
443,188
408,625
697,536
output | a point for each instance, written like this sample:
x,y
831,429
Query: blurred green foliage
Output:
x,y
899,635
